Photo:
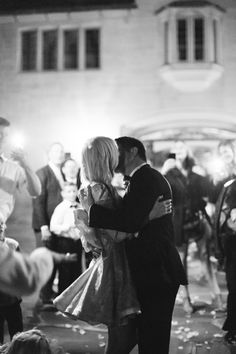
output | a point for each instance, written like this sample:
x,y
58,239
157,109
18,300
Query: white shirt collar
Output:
x,y
137,168
71,180
53,166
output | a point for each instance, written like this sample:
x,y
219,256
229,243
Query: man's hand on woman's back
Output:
x,y
161,208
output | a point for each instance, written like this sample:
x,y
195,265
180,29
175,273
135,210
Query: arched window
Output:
x,y
190,41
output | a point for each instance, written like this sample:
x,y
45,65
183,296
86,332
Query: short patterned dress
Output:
x,y
104,293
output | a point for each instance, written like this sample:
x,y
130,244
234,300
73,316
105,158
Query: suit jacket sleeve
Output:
x,y
133,213
22,274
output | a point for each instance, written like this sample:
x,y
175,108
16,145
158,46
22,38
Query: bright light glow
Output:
x,y
17,140
215,166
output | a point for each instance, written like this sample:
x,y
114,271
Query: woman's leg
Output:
x,y
208,268
187,305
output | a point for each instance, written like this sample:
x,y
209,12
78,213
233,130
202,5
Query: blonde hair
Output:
x,y
99,160
28,342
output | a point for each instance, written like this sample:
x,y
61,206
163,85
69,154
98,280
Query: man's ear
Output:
x,y
134,151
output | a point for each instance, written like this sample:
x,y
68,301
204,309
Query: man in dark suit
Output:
x,y
43,206
155,264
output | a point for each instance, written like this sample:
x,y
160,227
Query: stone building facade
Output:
x,y
154,69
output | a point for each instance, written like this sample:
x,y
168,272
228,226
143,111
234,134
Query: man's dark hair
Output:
x,y
4,122
188,163
127,143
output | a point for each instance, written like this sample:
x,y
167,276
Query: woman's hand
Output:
x,y
86,198
80,215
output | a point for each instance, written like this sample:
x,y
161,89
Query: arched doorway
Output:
x,y
201,130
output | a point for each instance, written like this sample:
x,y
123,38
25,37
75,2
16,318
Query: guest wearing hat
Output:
x,y
15,174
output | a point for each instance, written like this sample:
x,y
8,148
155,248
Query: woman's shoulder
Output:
x,y
100,191
104,192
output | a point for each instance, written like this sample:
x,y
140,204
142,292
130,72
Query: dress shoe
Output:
x,y
230,337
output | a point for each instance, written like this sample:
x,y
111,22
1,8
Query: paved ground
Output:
x,y
199,333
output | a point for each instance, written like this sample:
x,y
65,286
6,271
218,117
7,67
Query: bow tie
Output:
x,y
73,206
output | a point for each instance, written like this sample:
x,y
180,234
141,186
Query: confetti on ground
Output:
x,y
218,335
189,321
67,325
202,312
76,327
192,334
102,344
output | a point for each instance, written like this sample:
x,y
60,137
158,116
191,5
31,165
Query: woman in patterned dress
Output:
x,y
104,293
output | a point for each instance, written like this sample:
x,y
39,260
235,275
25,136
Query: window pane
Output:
x,y
182,39
71,49
215,34
199,39
92,48
28,50
166,49
50,50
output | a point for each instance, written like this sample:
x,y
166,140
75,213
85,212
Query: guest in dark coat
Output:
x,y
44,205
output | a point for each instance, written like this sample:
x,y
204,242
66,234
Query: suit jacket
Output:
x,y
153,257
21,274
50,197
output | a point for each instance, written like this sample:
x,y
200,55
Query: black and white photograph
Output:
x,y
118,177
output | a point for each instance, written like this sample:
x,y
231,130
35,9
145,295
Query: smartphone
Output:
x,y
171,155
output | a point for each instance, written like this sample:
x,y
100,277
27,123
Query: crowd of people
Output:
x,y
204,212
119,256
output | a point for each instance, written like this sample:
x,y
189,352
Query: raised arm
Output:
x,y
23,274
33,184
